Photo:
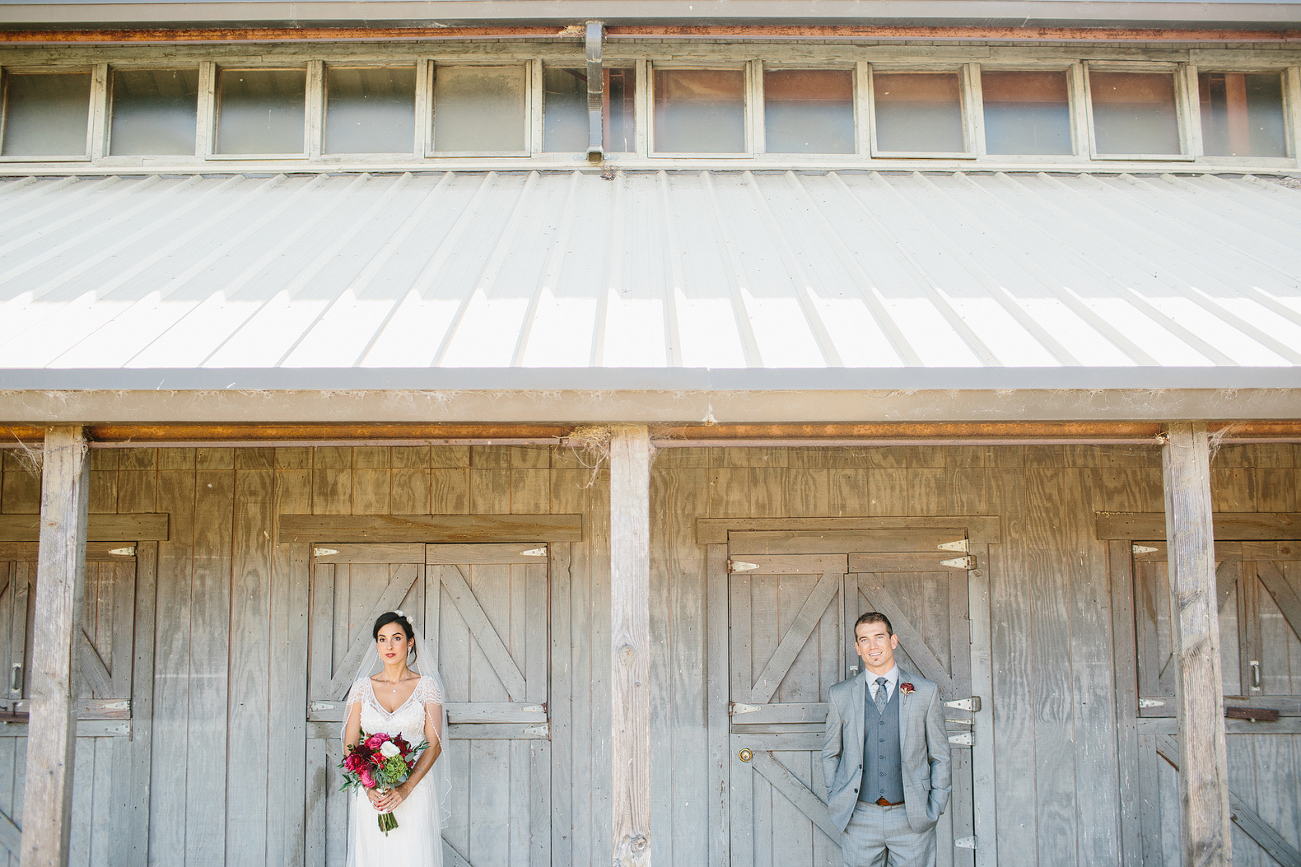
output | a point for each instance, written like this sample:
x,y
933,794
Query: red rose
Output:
x,y
906,688
354,762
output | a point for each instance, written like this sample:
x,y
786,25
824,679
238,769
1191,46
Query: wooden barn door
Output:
x,y
793,599
1259,589
484,607
103,811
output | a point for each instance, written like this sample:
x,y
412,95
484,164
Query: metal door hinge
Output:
x,y
1150,702
963,739
972,704
741,566
535,708
1142,549
965,843
543,730
534,552
960,545
737,707
129,551
960,563
324,552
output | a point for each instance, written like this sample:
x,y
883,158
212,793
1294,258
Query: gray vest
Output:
x,y
882,755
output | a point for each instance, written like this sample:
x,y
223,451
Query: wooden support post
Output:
x,y
60,577
1203,775
630,641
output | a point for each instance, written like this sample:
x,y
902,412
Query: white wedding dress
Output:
x,y
417,841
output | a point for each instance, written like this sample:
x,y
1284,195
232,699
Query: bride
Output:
x,y
400,701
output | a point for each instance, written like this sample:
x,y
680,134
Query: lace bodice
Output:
x,y
408,720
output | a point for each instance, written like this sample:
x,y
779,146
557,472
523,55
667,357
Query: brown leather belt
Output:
x,y
882,802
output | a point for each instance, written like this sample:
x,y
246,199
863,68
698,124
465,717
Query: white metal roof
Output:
x,y
987,279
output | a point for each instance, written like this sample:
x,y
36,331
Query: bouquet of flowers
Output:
x,y
381,762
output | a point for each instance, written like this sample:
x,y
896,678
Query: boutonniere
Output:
x,y
906,688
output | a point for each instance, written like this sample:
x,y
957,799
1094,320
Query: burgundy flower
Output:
x,y
906,688
354,762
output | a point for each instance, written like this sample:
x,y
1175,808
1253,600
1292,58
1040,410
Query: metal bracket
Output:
x,y
972,704
534,552
324,552
595,91
535,708
741,566
544,730
1150,702
960,545
129,551
318,706
1142,549
963,739
960,563
736,708
964,843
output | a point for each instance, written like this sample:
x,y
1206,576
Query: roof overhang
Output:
x,y
389,13
674,396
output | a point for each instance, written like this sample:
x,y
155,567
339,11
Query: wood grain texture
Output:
x,y
1203,781
65,496
1229,526
431,528
630,755
100,528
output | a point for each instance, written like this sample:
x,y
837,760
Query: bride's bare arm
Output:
x,y
352,736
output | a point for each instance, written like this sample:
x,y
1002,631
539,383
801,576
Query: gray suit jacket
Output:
x,y
922,740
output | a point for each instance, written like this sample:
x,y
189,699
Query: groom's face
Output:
x,y
876,646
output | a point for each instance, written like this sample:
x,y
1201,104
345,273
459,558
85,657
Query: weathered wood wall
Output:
x,y
226,650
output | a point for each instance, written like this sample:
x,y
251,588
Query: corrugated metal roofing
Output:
x,y
662,270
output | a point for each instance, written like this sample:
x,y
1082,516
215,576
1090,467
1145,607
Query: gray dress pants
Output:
x,y
881,837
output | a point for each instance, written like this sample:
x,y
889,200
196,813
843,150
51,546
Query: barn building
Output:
x,y
636,347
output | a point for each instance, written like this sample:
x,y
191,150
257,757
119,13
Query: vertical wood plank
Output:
x,y
61,563
984,809
630,644
1203,781
719,804
1120,563
561,707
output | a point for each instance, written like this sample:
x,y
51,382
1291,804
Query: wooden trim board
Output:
x,y
144,527
430,528
1229,526
985,528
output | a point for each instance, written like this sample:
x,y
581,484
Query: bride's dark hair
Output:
x,y
401,620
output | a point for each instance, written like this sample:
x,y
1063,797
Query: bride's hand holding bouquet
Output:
x,y
380,764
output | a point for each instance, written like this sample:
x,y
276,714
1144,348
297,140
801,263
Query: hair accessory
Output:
x,y
399,613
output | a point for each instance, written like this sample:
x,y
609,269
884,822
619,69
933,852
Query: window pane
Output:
x,y
918,112
46,114
699,111
479,108
808,111
1134,113
370,110
262,111
1242,115
564,113
154,111
1026,113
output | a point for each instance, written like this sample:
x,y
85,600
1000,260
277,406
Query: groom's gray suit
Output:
x,y
923,743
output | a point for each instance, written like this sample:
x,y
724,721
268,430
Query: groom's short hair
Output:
x,y
873,617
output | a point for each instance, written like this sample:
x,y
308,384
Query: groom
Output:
x,y
886,757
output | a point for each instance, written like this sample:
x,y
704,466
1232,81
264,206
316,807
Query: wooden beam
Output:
x,y
630,642
60,578
100,528
1204,778
1229,526
431,528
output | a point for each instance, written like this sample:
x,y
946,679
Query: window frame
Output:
x,y
109,158
1074,97
532,110
1187,113
95,97
856,102
311,110
416,138
747,69
968,110
1289,109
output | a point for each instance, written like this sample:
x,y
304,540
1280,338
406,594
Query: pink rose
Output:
x,y
366,779
376,740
